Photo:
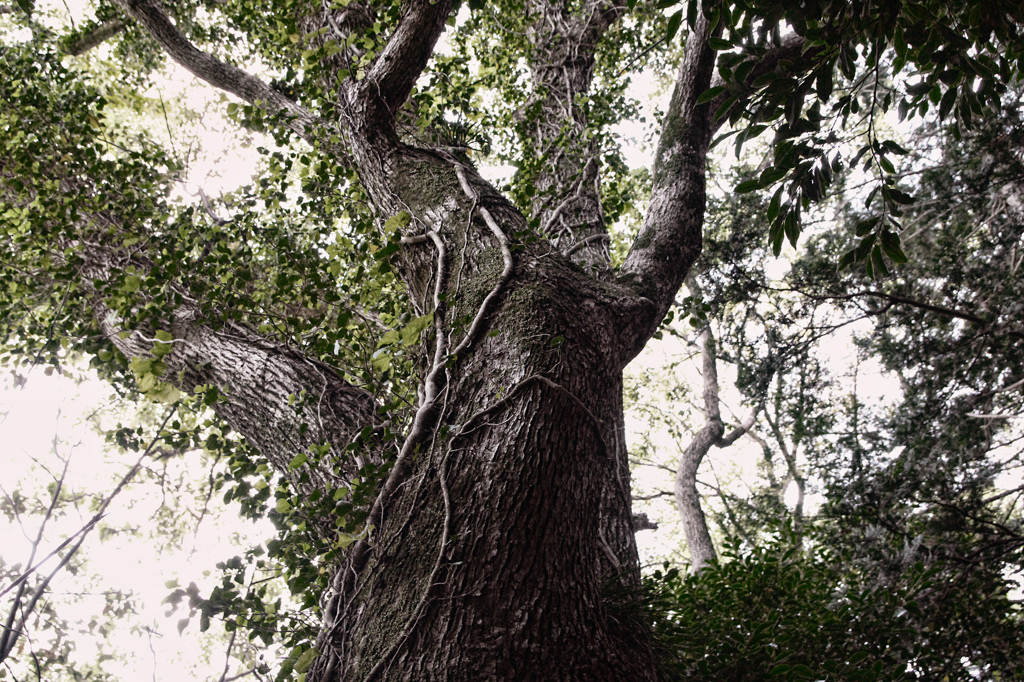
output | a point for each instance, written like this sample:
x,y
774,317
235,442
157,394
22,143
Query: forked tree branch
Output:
x,y
698,538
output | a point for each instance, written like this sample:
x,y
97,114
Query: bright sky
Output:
x,y
48,421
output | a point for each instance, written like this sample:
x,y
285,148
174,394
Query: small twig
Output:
x,y
227,656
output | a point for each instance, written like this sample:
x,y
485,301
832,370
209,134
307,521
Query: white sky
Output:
x,y
51,410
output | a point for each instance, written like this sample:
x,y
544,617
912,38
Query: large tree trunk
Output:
x,y
511,525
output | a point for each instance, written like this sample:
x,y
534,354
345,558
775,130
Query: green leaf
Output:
x,y
298,460
772,175
673,25
748,186
381,360
132,283
792,228
780,669
900,197
141,366
306,660
878,264
282,506
866,226
864,248
164,393
710,94
823,86
947,102
891,247
397,222
847,259
390,338
410,333
894,148
724,108
776,235
774,204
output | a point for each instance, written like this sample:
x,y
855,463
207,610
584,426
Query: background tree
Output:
x,y
918,493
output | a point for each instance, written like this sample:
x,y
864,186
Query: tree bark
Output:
x,y
567,203
501,545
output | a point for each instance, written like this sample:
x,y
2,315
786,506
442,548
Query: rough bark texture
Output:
x,y
567,203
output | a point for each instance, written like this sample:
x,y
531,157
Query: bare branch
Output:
x,y
11,634
698,538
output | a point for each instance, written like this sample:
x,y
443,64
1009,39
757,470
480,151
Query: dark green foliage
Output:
x,y
859,60
789,613
908,570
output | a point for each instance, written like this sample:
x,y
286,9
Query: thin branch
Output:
x,y
227,656
82,533
654,496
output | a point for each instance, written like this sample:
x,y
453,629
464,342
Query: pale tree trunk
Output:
x,y
500,546
698,537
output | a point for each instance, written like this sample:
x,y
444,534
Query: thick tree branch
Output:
x,y
260,382
670,239
562,57
217,73
403,59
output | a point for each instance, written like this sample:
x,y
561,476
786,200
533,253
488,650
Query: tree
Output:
x,y
427,369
